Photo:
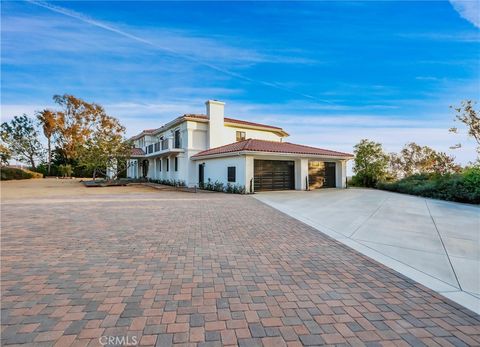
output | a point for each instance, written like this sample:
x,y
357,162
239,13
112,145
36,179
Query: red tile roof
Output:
x,y
254,145
137,151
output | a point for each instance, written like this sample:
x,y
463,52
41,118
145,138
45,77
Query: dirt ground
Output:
x,y
61,188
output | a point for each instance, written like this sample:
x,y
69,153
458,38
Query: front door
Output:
x,y
201,175
145,164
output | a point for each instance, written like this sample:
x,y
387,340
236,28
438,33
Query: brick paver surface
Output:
x,y
202,269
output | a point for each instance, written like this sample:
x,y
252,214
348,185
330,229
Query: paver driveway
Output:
x,y
206,269
434,242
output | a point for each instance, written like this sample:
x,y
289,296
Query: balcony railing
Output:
x,y
164,145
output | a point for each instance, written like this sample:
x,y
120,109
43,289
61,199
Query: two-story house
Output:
x,y
195,148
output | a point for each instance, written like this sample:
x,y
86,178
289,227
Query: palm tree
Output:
x,y
48,121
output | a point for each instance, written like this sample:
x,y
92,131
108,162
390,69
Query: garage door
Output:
x,y
321,174
273,175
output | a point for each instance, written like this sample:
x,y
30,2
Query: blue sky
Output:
x,y
330,73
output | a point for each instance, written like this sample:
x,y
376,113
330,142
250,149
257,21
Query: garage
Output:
x,y
274,175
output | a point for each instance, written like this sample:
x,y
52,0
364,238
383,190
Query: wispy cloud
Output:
x,y
169,49
443,36
468,9
427,78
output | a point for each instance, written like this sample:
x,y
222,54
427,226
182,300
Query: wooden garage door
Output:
x,y
273,175
321,174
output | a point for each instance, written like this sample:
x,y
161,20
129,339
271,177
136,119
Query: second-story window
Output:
x,y
240,135
177,138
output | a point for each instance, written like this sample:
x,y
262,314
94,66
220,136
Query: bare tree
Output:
x,y
467,115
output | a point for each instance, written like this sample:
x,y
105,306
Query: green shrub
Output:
x,y
11,173
168,182
355,181
463,187
220,187
209,185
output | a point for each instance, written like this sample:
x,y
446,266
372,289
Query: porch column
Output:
x,y
301,173
248,173
155,168
341,174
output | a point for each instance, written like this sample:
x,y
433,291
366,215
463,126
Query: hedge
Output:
x,y
463,187
11,173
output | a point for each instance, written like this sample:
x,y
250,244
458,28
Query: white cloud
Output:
x,y
8,111
468,9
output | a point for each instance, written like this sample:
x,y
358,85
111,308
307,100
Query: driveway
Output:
x,y
138,266
434,242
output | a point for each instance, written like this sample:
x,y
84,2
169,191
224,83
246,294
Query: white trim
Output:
x,y
279,154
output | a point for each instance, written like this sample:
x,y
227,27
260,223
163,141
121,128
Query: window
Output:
x,y
177,138
231,174
160,165
167,164
240,135
176,163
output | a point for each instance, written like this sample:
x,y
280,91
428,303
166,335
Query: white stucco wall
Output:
x,y
230,134
217,169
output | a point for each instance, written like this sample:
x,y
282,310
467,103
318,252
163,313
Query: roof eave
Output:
x,y
278,131
263,153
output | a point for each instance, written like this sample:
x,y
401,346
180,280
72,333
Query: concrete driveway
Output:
x,y
434,242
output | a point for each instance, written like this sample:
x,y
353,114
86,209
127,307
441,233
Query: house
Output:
x,y
196,149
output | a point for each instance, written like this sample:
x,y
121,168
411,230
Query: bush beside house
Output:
x,y
461,187
220,187
168,182
209,185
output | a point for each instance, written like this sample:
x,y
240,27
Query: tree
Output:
x,y
48,121
467,115
395,167
21,137
105,148
76,122
5,154
416,159
370,164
